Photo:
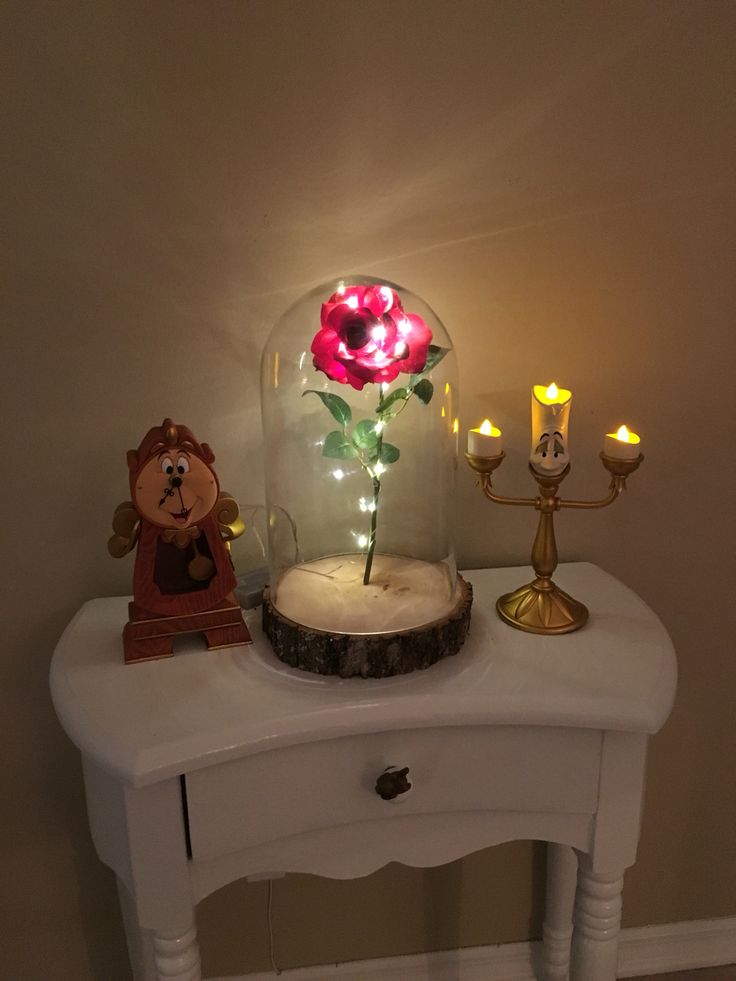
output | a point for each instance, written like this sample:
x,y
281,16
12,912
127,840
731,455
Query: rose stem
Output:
x,y
376,492
372,540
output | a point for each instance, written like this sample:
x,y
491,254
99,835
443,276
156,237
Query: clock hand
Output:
x,y
167,493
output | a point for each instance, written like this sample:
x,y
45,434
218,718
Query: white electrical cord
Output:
x,y
271,955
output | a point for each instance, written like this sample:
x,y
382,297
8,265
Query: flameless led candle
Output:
x,y
622,445
550,415
486,440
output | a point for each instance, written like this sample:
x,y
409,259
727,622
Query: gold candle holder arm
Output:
x,y
484,467
485,483
619,470
617,485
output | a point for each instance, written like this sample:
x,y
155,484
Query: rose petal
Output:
x,y
418,336
324,342
387,375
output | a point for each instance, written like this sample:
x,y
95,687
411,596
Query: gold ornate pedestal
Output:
x,y
541,607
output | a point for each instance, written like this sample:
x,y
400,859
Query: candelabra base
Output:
x,y
541,607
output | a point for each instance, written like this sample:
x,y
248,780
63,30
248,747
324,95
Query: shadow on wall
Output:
x,y
445,897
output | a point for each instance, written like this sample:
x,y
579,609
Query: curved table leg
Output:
x,y
140,946
562,870
140,833
177,955
597,924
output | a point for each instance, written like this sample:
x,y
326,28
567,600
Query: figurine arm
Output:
x,y
619,471
485,482
126,524
227,513
618,484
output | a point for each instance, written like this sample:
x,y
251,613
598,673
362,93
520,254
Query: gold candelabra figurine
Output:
x,y
541,607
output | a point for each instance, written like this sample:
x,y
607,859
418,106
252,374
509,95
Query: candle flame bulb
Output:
x,y
622,445
485,427
551,394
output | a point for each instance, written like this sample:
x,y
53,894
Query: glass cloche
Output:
x,y
360,401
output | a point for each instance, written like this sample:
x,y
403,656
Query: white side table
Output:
x,y
211,766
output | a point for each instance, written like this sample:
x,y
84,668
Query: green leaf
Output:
x,y
399,393
338,446
389,453
424,390
434,355
337,406
365,435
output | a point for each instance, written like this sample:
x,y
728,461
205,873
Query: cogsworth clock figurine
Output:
x,y
182,525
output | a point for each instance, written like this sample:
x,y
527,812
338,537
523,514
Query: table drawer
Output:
x,y
332,782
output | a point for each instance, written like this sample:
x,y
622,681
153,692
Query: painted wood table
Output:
x,y
210,766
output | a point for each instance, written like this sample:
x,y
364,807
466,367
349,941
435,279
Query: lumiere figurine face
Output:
x,y
550,454
176,488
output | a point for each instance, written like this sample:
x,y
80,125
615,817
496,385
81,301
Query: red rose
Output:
x,y
367,337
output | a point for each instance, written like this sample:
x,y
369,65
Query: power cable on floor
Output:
x,y
269,910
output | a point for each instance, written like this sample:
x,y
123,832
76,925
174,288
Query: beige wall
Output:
x,y
555,179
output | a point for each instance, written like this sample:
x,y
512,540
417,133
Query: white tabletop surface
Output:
x,y
149,721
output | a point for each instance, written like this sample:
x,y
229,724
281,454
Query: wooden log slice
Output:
x,y
368,655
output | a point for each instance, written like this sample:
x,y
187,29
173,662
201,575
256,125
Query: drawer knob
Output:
x,y
392,782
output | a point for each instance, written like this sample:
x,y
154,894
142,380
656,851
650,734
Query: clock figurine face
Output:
x,y
175,489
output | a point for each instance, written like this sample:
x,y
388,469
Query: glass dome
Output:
x,y
360,402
